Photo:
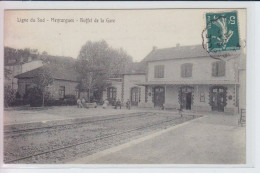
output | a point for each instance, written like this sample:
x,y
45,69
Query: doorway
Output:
x,y
135,96
218,99
159,96
186,97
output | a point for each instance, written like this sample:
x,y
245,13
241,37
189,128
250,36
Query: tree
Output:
x,y
12,55
7,73
9,96
43,79
34,97
97,62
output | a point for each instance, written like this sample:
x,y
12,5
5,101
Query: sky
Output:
x,y
136,31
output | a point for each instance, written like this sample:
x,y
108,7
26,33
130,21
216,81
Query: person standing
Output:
x,y
105,104
79,103
118,104
83,101
128,104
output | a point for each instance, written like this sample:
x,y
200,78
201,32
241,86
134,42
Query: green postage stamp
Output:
x,y
222,32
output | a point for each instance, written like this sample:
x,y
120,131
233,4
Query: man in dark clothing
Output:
x,y
118,104
128,104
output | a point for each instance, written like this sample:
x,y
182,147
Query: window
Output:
x,y
136,94
62,92
111,93
186,70
218,68
202,97
159,71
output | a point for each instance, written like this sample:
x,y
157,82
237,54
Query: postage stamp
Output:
x,y
222,32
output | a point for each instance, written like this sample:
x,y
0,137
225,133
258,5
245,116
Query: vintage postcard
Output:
x,y
125,86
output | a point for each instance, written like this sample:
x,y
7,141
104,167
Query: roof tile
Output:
x,y
176,53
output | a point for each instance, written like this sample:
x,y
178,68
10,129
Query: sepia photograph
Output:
x,y
125,86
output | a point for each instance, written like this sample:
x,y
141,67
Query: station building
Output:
x,y
187,78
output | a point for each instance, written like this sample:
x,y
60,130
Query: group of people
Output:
x,y
81,103
117,104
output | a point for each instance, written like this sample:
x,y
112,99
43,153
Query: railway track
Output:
x,y
12,133
173,121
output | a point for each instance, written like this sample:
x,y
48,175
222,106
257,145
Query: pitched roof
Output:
x,y
68,73
59,59
178,52
135,68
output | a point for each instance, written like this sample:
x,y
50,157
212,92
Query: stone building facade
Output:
x,y
65,81
18,68
188,78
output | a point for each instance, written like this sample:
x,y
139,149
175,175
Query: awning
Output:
x,y
186,82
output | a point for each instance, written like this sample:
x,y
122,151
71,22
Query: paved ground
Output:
x,y
215,139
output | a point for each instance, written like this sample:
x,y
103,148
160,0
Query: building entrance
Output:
x,y
159,96
185,97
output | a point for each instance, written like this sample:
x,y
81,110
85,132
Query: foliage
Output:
x,y
19,102
73,97
54,102
34,97
7,74
42,79
97,62
17,95
12,55
70,100
9,96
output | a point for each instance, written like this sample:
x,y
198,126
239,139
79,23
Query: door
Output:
x,y
218,99
185,97
159,96
135,96
186,101
111,95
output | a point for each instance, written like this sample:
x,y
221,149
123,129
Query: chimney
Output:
x,y
154,48
177,45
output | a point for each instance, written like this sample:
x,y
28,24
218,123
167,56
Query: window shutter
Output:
x,y
162,71
214,69
189,70
183,70
221,68
155,71
186,70
159,71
